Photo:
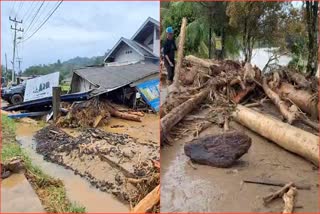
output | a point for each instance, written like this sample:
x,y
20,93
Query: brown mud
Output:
x,y
200,188
78,189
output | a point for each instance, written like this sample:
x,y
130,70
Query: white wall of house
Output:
x,y
156,41
127,54
79,84
153,41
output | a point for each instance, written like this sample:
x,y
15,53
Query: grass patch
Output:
x,y
50,191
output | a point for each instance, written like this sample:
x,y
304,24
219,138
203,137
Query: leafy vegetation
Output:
x,y
243,26
51,191
65,68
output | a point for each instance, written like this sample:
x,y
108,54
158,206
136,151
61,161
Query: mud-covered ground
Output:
x,y
105,159
189,187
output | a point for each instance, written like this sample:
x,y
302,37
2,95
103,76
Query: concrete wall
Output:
x,y
127,54
153,41
156,42
79,84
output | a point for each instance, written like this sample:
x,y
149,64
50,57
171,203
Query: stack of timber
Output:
x,y
232,90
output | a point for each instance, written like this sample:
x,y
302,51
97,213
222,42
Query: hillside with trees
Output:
x,y
65,68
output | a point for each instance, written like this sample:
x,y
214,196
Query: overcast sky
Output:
x,y
75,29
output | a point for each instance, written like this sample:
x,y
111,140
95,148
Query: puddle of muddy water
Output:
x,y
15,179
78,189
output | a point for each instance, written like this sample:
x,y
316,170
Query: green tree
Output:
x,y
255,21
205,21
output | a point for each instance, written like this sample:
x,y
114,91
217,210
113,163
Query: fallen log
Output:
x,y
122,115
302,98
299,79
288,199
177,113
290,116
148,202
210,67
289,137
199,61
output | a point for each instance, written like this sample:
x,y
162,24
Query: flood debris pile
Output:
x,y
94,113
270,104
280,105
114,163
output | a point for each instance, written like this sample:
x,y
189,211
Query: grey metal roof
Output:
x,y
109,78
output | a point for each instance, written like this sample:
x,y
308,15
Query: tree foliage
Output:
x,y
255,22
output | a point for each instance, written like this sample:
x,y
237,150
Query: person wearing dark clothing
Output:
x,y
169,49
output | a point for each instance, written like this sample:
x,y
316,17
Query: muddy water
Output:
x,y
209,189
78,189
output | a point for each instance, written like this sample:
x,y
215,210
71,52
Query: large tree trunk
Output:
x,y
176,114
114,112
148,202
299,79
303,99
289,137
199,61
180,53
290,116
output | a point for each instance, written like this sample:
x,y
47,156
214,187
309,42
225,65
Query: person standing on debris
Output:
x,y
169,49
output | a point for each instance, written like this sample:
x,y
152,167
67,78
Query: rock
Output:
x,y
5,174
118,179
14,165
221,150
126,152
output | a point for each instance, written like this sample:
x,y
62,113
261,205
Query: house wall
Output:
x,y
156,43
79,84
127,54
153,41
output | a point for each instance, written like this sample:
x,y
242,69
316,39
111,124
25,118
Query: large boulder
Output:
x,y
221,150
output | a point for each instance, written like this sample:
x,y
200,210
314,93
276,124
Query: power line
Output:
x,y
32,11
28,10
43,22
19,8
39,18
35,16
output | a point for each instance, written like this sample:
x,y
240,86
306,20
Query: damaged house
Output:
x,y
131,66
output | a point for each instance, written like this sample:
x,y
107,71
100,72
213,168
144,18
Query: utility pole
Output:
x,y
19,60
14,41
6,64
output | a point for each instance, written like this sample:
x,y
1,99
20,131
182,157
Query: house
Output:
x,y
127,66
144,45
